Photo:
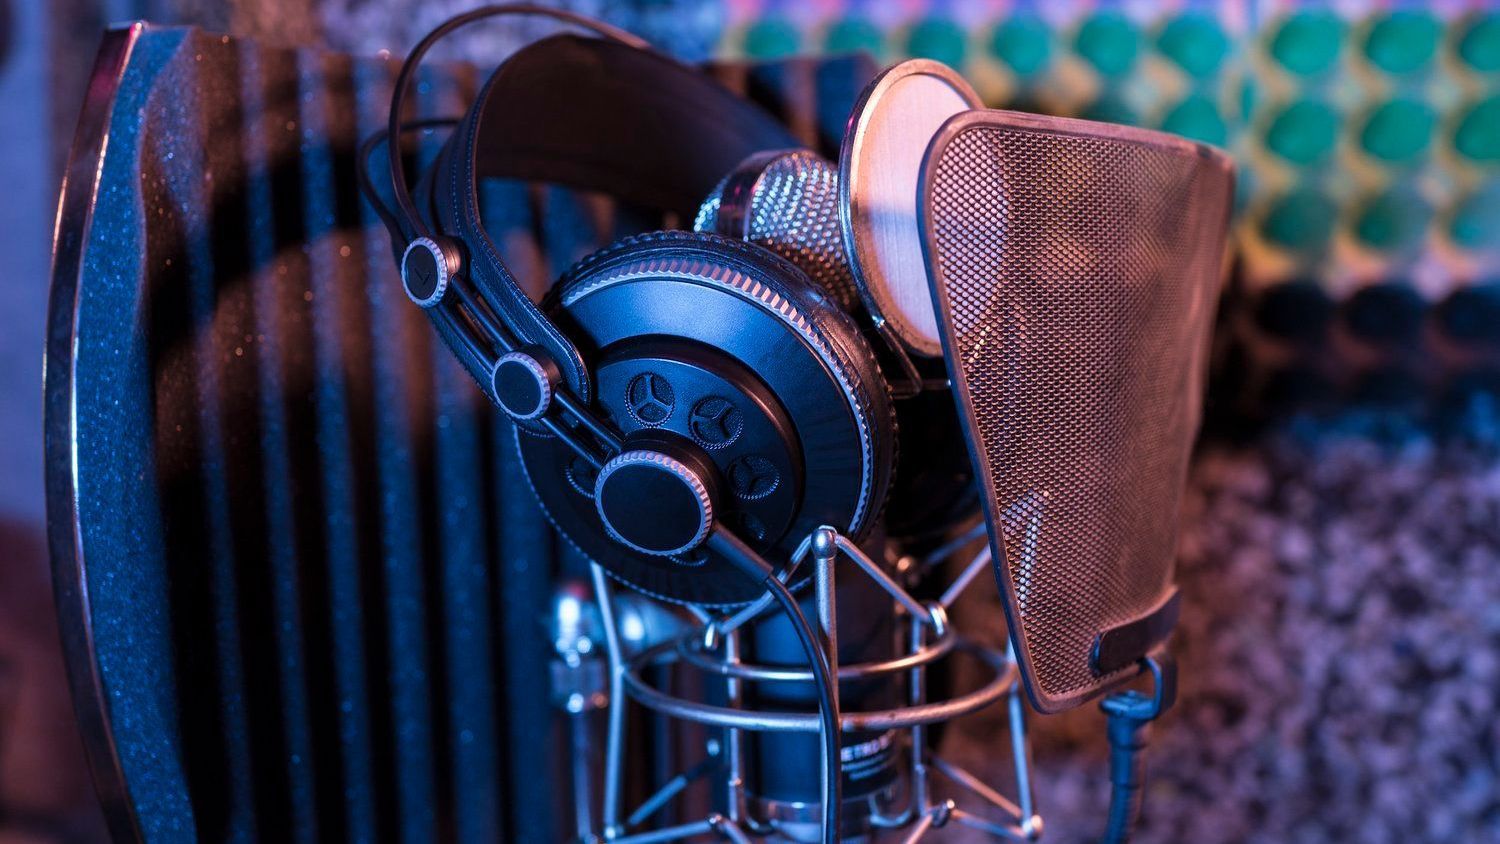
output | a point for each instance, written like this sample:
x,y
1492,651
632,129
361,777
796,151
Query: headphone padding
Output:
x,y
849,352
601,116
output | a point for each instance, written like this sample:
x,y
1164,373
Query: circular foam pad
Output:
x,y
879,170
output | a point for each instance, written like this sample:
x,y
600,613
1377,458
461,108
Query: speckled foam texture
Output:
x,y
1339,648
311,571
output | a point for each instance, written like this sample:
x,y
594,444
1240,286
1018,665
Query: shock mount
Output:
x,y
636,658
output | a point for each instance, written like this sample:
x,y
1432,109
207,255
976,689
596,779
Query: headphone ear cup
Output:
x,y
731,353
787,201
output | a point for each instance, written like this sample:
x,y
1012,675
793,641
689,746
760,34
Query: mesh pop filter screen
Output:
x,y
1075,266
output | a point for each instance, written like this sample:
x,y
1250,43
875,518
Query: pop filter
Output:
x,y
879,166
1075,267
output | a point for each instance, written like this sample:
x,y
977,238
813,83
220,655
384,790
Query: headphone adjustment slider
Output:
x,y
523,383
427,265
657,496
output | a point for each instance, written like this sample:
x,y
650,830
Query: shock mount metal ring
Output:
x,y
690,649
911,715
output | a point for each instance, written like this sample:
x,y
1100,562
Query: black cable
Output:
x,y
828,707
362,170
812,644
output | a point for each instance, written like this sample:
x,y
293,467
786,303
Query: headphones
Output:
x,y
680,398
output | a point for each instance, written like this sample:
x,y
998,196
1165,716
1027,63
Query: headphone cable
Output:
x,y
362,168
747,561
828,707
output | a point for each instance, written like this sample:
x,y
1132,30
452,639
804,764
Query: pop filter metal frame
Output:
x,y
712,646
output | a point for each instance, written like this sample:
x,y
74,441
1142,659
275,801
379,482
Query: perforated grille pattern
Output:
x,y
1080,275
793,210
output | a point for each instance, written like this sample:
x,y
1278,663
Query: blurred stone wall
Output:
x,y
1339,646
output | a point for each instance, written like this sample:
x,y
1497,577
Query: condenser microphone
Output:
x,y
701,413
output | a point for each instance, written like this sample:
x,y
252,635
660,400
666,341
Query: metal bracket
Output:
x,y
713,646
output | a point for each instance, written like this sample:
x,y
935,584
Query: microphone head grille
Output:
x,y
787,202
1076,268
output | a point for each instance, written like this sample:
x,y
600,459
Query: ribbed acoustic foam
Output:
x,y
301,578
1077,266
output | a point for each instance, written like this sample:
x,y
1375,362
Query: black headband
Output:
x,y
594,115
601,116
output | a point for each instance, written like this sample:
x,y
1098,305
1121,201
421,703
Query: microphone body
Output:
x,y
782,775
